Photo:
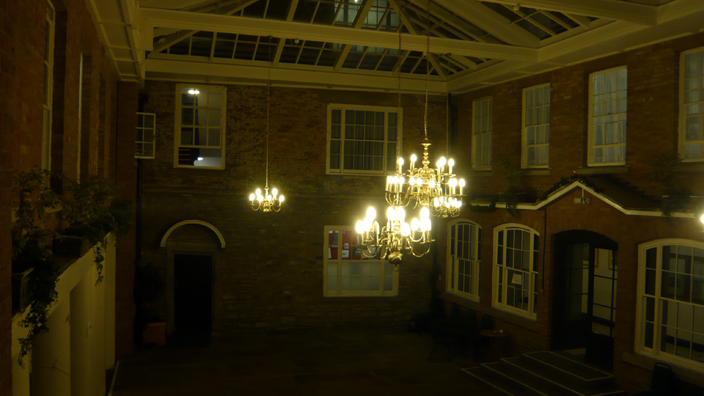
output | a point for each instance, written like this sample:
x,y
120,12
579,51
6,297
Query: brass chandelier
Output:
x,y
267,202
396,237
435,188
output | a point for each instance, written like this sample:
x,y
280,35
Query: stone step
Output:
x,y
498,383
564,380
587,375
526,380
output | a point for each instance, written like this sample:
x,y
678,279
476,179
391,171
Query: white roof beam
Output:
x,y
610,9
358,21
150,18
289,18
292,76
491,22
405,20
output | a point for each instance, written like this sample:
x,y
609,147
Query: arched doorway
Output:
x,y
192,248
584,294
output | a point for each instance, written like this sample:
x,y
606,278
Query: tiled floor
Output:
x,y
340,364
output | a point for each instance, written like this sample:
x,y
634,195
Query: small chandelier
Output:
x,y
267,202
433,188
397,237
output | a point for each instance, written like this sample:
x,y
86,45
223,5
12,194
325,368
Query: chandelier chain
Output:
x,y
427,69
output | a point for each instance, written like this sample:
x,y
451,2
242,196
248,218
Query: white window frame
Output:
x,y
592,124
223,126
532,274
140,134
349,293
476,134
80,120
452,274
683,110
48,85
343,108
525,128
639,346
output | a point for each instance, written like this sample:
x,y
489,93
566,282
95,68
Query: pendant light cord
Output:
x,y
398,113
427,69
268,99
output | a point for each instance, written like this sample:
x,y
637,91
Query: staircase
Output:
x,y
545,373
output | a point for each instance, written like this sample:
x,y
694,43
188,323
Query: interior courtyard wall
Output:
x,y
653,111
271,274
22,48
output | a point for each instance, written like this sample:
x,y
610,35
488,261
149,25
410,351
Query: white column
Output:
x,y
97,339
51,356
109,285
81,309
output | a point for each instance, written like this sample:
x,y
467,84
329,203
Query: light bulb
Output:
x,y
419,181
451,162
259,198
391,213
281,199
441,162
413,158
395,179
401,180
462,183
400,160
258,191
400,214
702,219
415,224
359,227
425,224
274,192
200,158
371,213
432,183
424,213
251,197
405,230
412,181
436,202
453,182
459,204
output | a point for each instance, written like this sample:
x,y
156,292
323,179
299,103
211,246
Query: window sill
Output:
x,y
602,170
684,374
692,167
536,172
526,323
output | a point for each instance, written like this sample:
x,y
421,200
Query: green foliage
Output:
x,y
664,178
512,177
566,181
86,211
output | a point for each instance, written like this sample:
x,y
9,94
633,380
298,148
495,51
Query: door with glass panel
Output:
x,y
584,291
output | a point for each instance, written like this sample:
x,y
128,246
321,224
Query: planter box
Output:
x,y
71,246
155,333
21,290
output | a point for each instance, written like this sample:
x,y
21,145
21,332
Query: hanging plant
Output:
x,y
31,248
85,209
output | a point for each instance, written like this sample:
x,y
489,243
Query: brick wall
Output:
x,y
22,47
653,111
269,254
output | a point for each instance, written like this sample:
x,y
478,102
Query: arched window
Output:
x,y
670,306
463,258
515,269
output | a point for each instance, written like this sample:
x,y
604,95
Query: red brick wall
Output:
x,y
22,47
653,111
268,254
126,179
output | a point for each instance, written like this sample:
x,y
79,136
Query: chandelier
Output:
x,y
435,188
267,202
396,237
